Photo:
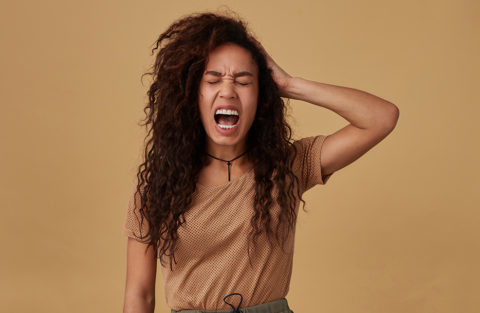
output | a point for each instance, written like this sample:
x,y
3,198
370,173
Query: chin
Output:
x,y
225,141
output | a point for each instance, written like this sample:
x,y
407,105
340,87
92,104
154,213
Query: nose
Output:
x,y
227,90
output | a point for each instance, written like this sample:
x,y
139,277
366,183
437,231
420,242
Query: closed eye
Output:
x,y
243,84
212,83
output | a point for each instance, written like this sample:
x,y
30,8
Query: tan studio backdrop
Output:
x,y
396,231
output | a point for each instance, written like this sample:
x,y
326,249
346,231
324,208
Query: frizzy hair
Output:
x,y
175,141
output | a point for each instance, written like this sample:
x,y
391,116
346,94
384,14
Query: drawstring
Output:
x,y
237,309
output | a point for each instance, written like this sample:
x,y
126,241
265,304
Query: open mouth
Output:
x,y
226,119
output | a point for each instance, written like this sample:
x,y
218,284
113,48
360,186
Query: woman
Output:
x,y
217,197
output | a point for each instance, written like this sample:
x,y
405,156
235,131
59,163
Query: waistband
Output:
x,y
277,306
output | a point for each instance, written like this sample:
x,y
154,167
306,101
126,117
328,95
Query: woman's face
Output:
x,y
228,95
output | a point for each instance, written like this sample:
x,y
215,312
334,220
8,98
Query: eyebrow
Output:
x,y
239,74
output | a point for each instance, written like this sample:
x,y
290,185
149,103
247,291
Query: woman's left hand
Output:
x,y
281,78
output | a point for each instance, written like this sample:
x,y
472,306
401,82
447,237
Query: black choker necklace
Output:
x,y
228,162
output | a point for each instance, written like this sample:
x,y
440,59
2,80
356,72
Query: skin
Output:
x,y
141,276
370,119
230,78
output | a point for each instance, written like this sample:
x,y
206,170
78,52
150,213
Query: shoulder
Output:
x,y
304,146
306,162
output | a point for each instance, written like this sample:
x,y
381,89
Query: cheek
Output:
x,y
251,109
203,108
253,103
202,100
205,96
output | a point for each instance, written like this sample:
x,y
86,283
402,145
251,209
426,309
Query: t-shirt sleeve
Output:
x,y
133,226
307,164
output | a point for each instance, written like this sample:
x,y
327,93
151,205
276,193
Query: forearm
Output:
x,y
360,108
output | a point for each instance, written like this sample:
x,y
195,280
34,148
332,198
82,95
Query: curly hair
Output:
x,y
175,141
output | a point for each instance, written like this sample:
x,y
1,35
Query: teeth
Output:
x,y
227,112
226,126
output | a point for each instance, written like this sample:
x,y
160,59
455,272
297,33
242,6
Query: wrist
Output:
x,y
293,88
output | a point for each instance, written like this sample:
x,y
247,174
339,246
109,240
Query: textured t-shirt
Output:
x,y
211,252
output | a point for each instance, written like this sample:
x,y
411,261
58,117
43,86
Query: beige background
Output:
x,y
396,231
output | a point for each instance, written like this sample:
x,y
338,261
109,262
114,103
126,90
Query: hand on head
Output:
x,y
280,77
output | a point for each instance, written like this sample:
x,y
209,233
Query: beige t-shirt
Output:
x,y
212,258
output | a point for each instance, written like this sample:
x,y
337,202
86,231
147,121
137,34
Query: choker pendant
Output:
x,y
229,162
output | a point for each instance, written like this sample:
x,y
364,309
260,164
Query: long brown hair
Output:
x,y
175,142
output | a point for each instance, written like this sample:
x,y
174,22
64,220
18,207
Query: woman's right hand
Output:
x,y
280,76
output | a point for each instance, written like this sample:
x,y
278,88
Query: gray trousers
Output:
x,y
277,306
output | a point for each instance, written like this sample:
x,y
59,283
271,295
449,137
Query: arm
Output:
x,y
371,118
141,274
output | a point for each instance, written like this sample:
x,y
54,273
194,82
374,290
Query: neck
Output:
x,y
220,154
226,152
